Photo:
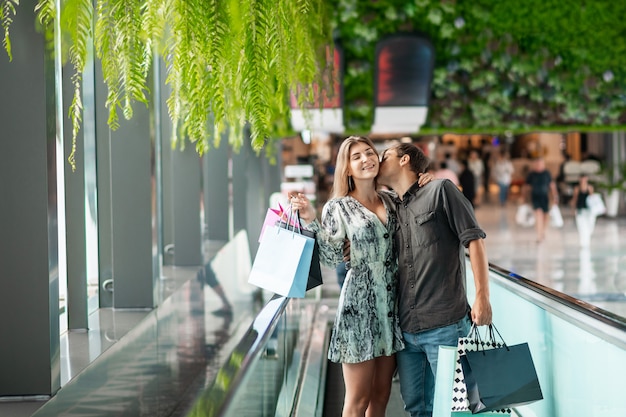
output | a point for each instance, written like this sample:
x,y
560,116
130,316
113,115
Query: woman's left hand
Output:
x,y
425,178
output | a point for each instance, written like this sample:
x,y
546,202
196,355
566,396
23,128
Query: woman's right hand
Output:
x,y
300,203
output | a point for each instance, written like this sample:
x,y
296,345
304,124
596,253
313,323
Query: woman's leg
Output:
x,y
585,221
358,381
592,223
381,386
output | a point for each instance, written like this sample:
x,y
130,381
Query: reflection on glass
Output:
x,y
56,211
587,276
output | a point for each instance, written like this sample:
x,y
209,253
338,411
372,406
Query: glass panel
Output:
x,y
262,375
60,244
579,359
91,191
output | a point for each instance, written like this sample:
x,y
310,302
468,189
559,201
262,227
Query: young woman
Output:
x,y
539,185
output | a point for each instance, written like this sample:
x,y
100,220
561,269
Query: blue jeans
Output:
x,y
504,192
417,365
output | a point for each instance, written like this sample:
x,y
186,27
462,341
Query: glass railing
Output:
x,y
579,352
263,375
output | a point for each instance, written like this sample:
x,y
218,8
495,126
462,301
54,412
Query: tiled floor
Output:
x,y
143,357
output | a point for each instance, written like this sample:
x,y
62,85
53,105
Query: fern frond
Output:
x,y
6,12
154,24
177,63
46,11
125,52
76,22
256,69
246,58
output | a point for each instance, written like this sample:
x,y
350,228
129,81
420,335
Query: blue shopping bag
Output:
x,y
283,261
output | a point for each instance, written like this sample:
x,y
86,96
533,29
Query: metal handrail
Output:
x,y
584,307
218,398
595,320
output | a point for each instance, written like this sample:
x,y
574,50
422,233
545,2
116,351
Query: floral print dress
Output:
x,y
366,325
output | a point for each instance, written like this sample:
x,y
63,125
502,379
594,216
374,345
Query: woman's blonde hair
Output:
x,y
342,183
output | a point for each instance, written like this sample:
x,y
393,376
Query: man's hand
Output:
x,y
346,250
481,312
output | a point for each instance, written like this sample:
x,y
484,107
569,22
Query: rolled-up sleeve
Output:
x,y
471,234
460,214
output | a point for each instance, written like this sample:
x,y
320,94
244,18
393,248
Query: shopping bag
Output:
x,y
596,204
315,271
272,217
471,342
500,377
525,216
556,220
282,262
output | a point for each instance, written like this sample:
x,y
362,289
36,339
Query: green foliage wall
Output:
x,y
500,64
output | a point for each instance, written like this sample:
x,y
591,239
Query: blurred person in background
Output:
x,y
538,189
585,218
476,165
502,172
467,182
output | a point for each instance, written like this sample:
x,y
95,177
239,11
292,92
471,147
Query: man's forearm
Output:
x,y
480,267
481,310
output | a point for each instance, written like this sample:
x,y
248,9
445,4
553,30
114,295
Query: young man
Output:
x,y
436,222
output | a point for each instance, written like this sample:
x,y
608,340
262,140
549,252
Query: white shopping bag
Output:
x,y
525,216
556,220
283,261
472,342
596,205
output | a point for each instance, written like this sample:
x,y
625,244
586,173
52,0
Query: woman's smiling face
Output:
x,y
363,161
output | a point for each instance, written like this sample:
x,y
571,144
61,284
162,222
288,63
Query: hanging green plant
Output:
x,y
230,64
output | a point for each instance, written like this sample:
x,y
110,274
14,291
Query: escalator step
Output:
x,y
335,391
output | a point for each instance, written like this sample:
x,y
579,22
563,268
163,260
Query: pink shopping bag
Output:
x,y
275,216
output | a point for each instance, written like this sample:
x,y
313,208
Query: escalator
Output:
x,y
279,368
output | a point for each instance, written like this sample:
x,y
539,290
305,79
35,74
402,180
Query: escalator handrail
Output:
x,y
614,322
241,360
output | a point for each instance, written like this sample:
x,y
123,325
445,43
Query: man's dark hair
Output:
x,y
419,161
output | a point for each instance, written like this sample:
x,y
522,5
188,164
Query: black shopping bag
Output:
x,y
500,378
315,272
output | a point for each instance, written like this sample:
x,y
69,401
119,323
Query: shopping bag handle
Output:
x,y
475,335
490,337
291,220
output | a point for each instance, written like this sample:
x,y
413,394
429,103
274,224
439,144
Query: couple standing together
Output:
x,y
404,294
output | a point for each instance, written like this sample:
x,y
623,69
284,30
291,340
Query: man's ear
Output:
x,y
404,160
